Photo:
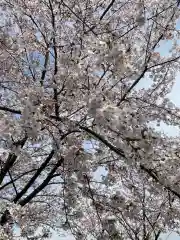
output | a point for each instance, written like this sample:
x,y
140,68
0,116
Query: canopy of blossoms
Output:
x,y
77,148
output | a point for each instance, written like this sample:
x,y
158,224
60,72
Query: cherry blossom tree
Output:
x,y
69,75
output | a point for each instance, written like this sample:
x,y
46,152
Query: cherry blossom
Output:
x,y
70,74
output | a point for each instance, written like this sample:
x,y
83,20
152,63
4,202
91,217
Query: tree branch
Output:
x,y
6,109
10,161
42,185
36,175
107,9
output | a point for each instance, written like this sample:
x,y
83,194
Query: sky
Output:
x,y
173,131
174,96
168,236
